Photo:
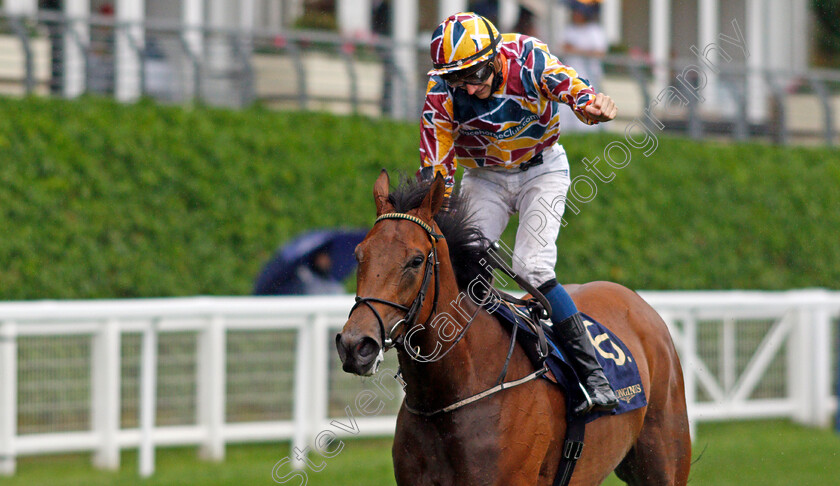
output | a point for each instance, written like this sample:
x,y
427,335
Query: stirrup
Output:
x,y
589,403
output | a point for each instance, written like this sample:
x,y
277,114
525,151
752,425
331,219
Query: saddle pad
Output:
x,y
618,363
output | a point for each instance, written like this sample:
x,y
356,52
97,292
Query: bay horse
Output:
x,y
415,266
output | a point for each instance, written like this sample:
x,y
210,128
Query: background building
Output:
x,y
753,55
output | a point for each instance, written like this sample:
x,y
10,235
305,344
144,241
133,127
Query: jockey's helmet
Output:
x,y
462,41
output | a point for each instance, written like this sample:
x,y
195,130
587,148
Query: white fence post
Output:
x,y
8,397
729,353
304,378
799,371
148,399
320,374
821,367
212,369
105,391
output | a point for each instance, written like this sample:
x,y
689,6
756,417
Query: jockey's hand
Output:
x,y
602,109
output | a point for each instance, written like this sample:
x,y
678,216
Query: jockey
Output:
x,y
492,105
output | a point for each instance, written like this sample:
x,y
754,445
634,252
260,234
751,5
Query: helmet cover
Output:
x,y
462,41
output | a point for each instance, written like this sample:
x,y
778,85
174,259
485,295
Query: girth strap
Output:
x,y
572,449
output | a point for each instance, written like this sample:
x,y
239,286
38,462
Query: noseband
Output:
x,y
411,312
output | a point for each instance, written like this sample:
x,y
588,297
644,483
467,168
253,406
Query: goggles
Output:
x,y
474,76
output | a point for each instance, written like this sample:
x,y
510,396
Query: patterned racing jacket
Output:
x,y
518,121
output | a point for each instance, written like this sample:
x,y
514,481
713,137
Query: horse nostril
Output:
x,y
367,347
342,353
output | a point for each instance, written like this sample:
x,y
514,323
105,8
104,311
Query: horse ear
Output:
x,y
434,199
381,190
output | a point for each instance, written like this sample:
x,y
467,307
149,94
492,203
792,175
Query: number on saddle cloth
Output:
x,y
613,355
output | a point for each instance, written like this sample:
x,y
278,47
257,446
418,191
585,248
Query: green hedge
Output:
x,y
102,200
711,216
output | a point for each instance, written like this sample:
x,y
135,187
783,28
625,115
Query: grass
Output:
x,y
763,453
766,453
362,463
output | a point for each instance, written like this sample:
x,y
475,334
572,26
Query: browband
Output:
x,y
413,219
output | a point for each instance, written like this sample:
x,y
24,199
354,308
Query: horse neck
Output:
x,y
460,369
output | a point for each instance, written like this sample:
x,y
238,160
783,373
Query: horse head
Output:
x,y
396,273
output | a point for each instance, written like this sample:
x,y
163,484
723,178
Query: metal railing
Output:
x,y
725,110
315,70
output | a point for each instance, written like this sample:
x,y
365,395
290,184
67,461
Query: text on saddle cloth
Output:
x,y
618,363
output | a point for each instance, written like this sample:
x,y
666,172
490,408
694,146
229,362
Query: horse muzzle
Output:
x,y
360,355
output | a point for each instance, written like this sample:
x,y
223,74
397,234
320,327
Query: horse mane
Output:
x,y
468,247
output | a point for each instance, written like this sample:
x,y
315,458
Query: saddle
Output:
x,y
526,321
613,355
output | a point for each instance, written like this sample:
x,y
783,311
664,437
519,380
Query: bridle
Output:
x,y
411,313
389,339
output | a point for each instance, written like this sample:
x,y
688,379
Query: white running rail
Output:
x,y
107,375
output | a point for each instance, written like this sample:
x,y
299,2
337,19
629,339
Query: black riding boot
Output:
x,y
574,340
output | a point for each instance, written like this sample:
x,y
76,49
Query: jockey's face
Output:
x,y
477,81
481,91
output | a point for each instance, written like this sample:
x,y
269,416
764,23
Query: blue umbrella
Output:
x,y
279,275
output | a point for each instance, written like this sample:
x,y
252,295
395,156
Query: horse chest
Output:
x,y
465,452
446,461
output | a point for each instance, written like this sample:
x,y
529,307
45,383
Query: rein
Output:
x,y
486,393
432,268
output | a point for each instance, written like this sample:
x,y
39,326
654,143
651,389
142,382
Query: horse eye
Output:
x,y
417,261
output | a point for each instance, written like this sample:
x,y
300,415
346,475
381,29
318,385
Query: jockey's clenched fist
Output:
x,y
601,109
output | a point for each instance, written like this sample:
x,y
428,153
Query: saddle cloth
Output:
x,y
618,363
